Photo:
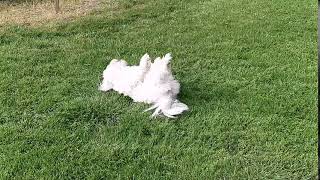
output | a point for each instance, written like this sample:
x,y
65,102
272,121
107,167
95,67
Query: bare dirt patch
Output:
x,y
44,12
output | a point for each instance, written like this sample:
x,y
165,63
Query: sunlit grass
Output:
x,y
247,71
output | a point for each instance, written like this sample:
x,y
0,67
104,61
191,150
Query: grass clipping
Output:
x,y
44,12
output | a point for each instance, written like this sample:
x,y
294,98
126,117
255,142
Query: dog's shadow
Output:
x,y
201,95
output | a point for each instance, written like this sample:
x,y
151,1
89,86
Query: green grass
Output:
x,y
247,70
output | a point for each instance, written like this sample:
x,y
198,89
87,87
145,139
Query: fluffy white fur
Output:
x,y
151,83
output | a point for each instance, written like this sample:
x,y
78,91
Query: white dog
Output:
x,y
151,83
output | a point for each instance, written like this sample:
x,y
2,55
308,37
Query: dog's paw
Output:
x,y
167,57
145,56
145,61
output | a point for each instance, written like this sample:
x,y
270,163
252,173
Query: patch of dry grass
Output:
x,y
44,12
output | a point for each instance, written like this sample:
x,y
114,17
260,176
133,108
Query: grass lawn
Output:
x,y
247,70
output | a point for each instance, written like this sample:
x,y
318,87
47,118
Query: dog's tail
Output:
x,y
176,108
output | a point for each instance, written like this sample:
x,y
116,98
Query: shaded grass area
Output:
x,y
247,70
